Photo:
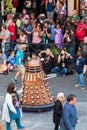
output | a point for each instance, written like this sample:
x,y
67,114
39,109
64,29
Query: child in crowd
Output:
x,y
22,37
58,36
79,65
11,61
20,62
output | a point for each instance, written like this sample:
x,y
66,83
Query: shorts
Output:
x,y
21,69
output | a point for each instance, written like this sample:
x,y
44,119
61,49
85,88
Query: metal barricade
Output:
x,y
37,47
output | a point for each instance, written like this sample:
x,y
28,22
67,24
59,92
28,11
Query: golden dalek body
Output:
x,y
36,92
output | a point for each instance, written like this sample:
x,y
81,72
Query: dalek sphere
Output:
x,y
36,92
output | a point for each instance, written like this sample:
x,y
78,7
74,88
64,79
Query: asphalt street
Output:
x,y
43,120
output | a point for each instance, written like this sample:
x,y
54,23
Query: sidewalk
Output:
x,y
43,120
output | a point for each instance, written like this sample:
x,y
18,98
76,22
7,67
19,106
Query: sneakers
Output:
x,y
64,75
82,87
14,80
77,85
21,127
5,72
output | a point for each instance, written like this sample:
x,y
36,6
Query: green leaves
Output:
x,y
8,5
54,49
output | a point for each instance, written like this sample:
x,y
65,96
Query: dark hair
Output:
x,y
26,19
61,2
33,53
81,17
4,26
44,55
58,23
0,50
22,30
12,51
10,88
70,97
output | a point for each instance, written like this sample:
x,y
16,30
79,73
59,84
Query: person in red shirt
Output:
x,y
15,3
80,32
12,29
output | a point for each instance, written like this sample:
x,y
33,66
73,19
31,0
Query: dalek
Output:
x,y
37,95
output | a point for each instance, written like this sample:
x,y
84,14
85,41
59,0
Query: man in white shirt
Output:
x,y
5,37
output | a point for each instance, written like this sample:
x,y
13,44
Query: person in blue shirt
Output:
x,y
20,62
26,27
79,65
19,57
69,115
50,6
11,61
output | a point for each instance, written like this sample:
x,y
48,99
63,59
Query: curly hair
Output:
x,y
11,88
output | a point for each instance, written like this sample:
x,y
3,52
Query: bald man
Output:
x,y
58,109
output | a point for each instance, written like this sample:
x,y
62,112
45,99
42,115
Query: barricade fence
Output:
x,y
34,47
37,47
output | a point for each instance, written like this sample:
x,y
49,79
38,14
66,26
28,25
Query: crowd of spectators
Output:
x,y
51,27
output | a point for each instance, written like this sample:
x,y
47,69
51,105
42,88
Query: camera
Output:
x,y
68,32
61,54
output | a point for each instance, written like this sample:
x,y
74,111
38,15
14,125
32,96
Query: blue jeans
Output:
x,y
15,117
3,48
8,126
57,70
80,79
12,44
18,123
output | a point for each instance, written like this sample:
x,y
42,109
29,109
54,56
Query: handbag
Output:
x,y
14,116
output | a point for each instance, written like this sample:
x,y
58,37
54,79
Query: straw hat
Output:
x,y
23,47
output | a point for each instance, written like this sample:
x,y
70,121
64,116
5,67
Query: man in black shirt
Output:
x,y
83,48
58,109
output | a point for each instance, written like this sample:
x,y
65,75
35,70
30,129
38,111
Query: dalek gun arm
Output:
x,y
49,76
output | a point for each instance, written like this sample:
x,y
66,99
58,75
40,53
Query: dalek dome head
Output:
x,y
34,62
